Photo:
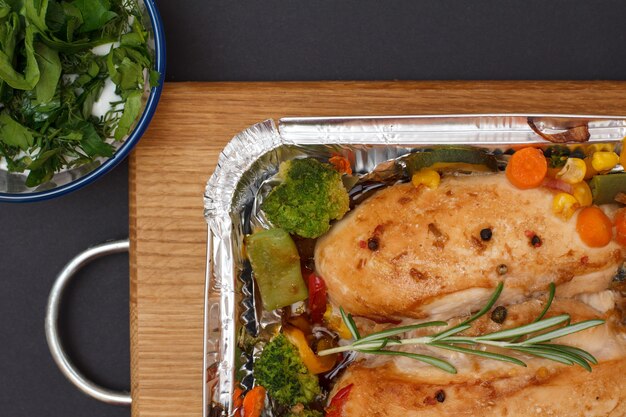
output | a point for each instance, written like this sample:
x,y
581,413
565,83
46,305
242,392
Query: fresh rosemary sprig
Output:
x,y
526,339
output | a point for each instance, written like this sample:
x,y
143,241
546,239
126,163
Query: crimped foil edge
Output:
x,y
236,158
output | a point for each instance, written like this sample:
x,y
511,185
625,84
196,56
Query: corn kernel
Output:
x,y
573,172
582,193
428,177
600,147
564,205
604,161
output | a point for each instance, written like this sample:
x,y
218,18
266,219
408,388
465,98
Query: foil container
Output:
x,y
374,146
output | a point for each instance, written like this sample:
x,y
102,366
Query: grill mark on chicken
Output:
x,y
440,238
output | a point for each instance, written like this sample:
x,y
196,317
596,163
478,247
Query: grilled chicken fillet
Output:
x,y
416,252
402,387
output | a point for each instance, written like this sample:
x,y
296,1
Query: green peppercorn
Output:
x,y
502,269
498,315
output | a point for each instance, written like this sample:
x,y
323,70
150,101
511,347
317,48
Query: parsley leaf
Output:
x,y
131,111
50,69
14,134
95,13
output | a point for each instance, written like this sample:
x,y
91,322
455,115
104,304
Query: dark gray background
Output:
x,y
262,40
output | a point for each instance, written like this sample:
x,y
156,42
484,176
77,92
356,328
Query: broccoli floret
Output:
x,y
310,195
283,374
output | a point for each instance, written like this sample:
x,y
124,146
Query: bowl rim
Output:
x,y
122,152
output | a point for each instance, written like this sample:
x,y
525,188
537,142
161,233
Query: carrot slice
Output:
x,y
237,398
620,227
253,402
527,168
594,227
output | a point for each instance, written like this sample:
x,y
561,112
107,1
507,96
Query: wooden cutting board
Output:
x,y
173,161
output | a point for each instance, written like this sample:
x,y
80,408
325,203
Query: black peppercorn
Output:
x,y
440,396
535,241
578,153
486,234
373,244
498,315
620,276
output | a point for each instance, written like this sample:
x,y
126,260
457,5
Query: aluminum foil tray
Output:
x,y
253,156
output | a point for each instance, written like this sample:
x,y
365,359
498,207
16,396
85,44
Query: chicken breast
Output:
x,y
385,386
416,252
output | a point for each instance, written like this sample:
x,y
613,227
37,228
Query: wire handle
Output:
x,y
52,324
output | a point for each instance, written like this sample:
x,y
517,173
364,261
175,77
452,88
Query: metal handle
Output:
x,y
52,324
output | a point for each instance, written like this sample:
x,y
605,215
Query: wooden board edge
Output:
x,y
134,320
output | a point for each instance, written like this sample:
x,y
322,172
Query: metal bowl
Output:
x,y
13,185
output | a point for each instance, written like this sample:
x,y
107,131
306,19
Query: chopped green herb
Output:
x,y
50,80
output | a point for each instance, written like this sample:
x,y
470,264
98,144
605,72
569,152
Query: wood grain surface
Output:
x,y
172,163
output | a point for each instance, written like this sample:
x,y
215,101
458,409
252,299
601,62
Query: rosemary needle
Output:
x,y
536,343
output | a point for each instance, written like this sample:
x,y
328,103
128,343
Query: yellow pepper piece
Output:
x,y
573,172
604,161
582,193
315,364
336,324
428,177
622,155
564,205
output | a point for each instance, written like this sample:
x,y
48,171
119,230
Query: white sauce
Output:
x,y
105,48
103,105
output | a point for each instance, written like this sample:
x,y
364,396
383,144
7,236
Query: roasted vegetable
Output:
x,y
565,205
317,298
427,177
451,158
276,265
604,161
573,171
527,168
283,374
310,195
254,402
335,409
315,364
594,227
582,193
620,226
557,156
605,187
